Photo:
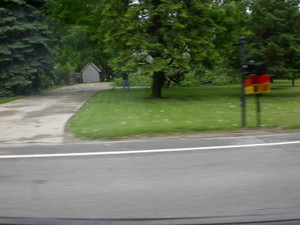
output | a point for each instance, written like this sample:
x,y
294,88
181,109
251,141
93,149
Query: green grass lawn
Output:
x,y
116,114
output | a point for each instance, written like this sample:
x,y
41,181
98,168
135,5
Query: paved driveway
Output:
x,y
42,118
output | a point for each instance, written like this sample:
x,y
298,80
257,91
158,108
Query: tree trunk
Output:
x,y
293,82
158,81
158,76
106,74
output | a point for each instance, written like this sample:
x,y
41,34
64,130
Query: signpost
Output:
x,y
255,80
258,82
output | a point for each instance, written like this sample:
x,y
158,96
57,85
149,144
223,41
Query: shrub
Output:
x,y
220,75
190,80
62,72
46,82
134,80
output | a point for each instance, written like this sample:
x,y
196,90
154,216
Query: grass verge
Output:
x,y
114,113
8,99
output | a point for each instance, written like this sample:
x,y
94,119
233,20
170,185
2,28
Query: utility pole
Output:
x,y
243,74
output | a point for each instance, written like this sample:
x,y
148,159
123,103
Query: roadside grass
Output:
x,y
114,113
280,108
8,99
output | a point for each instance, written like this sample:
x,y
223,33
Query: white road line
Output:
x,y
144,151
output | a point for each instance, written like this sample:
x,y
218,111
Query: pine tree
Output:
x,y
23,53
158,37
276,37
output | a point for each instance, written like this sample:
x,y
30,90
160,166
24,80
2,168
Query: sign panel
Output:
x,y
257,84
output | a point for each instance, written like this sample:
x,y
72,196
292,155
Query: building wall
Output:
x,y
90,75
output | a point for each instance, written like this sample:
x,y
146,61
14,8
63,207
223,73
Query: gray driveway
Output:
x,y
42,118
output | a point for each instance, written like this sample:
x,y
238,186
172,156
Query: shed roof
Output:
x,y
93,65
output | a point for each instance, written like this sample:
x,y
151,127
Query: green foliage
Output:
x,y
134,80
77,48
190,80
175,34
62,83
62,72
23,52
78,29
231,19
45,82
117,82
221,74
276,36
160,37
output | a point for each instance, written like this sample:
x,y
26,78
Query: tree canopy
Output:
x,y
158,38
276,36
167,38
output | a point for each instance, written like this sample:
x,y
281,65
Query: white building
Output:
x,y
90,73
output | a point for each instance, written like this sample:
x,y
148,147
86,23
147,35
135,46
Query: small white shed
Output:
x,y
90,73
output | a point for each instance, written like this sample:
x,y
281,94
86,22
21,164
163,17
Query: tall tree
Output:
x,y
276,37
231,18
23,52
159,37
77,26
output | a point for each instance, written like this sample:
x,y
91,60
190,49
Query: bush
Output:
x,y
62,72
134,80
190,80
62,83
220,75
117,82
46,82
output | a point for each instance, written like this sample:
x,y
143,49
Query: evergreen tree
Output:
x,y
276,37
159,37
23,53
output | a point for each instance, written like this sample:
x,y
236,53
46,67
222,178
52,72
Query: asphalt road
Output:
x,y
216,179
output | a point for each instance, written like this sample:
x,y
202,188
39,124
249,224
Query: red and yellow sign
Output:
x,y
257,84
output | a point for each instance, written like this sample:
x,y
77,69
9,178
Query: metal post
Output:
x,y
243,66
258,109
